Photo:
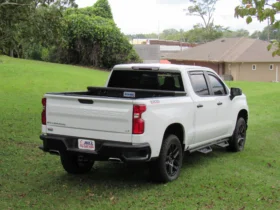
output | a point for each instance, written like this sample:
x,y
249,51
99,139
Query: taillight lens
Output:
x,y
138,122
44,117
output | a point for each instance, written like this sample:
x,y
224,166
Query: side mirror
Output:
x,y
235,92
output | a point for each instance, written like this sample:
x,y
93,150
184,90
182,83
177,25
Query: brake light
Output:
x,y
44,117
145,68
138,122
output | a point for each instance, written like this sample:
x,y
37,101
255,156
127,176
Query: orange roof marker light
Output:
x,y
165,62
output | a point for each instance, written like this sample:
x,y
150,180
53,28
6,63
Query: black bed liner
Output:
x,y
124,93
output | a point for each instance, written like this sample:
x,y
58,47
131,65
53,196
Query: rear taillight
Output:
x,y
138,123
44,117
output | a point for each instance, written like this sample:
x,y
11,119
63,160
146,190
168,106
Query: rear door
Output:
x,y
206,108
99,118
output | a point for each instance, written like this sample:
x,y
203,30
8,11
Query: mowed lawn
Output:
x,y
220,180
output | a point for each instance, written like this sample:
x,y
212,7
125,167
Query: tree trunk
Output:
x,y
12,53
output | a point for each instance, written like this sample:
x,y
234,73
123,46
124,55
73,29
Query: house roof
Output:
x,y
228,50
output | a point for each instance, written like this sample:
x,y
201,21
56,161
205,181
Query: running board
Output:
x,y
205,149
223,144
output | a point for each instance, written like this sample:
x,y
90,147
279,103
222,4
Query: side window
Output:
x,y
217,86
199,84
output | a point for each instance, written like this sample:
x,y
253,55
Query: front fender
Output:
x,y
239,104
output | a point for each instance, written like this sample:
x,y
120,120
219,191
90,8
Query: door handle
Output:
x,y
199,106
85,101
220,103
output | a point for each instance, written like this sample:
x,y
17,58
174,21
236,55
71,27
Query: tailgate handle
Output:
x,y
85,101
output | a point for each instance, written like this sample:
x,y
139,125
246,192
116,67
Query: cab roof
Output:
x,y
157,66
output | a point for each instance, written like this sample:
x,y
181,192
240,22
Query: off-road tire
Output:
x,y
168,165
238,138
74,164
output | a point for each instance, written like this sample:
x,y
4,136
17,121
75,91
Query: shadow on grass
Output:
x,y
198,159
114,173
118,174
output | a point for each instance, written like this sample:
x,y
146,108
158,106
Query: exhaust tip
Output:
x,y
54,152
116,160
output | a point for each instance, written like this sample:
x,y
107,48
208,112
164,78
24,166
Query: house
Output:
x,y
243,58
168,47
148,53
139,41
154,51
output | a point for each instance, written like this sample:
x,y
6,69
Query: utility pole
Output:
x,y
158,30
276,72
181,39
158,3
268,33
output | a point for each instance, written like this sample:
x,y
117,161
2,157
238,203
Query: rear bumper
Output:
x,y
104,149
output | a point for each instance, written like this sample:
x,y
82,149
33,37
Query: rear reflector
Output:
x,y
138,122
44,117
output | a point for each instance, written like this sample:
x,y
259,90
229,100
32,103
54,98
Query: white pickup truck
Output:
x,y
146,113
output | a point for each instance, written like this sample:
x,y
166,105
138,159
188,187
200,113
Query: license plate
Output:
x,y
86,144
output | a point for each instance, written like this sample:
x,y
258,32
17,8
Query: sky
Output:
x,y
151,16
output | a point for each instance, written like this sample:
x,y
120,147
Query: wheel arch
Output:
x,y
244,114
176,129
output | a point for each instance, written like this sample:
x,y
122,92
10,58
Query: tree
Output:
x,y
103,9
151,36
4,3
12,14
270,32
94,39
199,35
238,33
62,4
261,10
57,31
170,31
204,9
172,34
267,33
256,34
25,22
207,31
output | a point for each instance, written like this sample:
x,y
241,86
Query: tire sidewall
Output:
x,y
171,139
234,138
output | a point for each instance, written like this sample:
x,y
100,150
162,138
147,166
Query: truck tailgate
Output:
x,y
90,117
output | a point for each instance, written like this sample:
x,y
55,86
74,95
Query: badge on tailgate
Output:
x,y
129,94
86,144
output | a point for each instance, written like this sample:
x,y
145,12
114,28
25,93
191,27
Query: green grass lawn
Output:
x,y
220,180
